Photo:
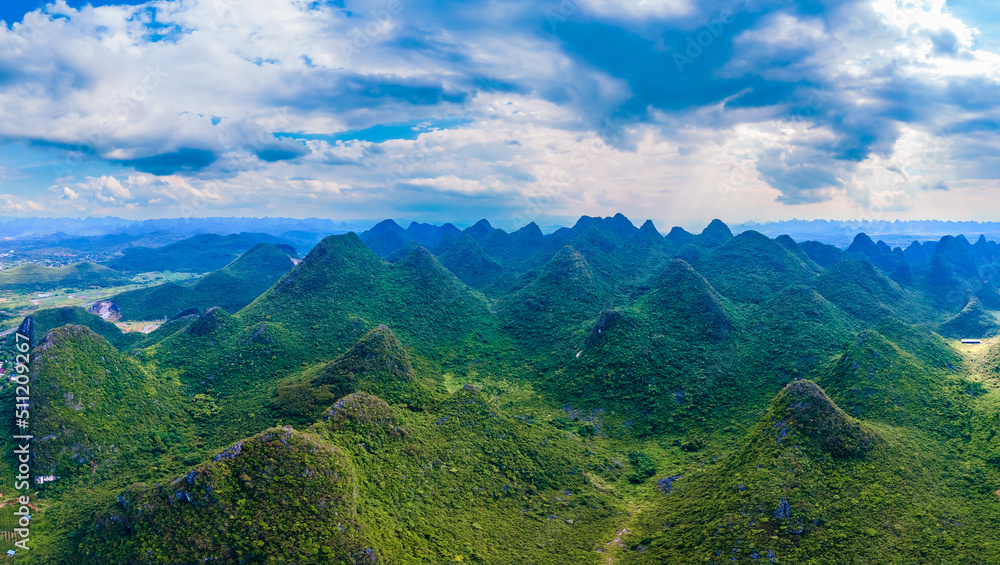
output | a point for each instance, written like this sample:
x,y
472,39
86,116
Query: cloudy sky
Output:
x,y
675,110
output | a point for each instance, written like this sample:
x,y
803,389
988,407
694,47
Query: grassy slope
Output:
x,y
793,335
467,260
467,482
89,397
342,289
920,492
100,421
938,279
974,321
377,364
302,488
316,313
36,277
52,318
660,364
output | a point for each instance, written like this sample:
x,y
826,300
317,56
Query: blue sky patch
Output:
x,y
383,132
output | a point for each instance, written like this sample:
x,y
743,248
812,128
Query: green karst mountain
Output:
x,y
822,254
467,260
201,253
812,483
900,374
714,235
798,315
658,362
377,364
860,289
342,289
601,394
943,285
644,256
52,318
303,487
100,415
682,301
750,266
879,254
974,321
558,306
232,287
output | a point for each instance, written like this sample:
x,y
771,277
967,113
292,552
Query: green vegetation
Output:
x,y
467,260
302,488
341,289
32,277
377,364
811,483
52,318
822,254
100,416
232,287
863,291
750,267
972,322
558,306
15,305
198,254
601,394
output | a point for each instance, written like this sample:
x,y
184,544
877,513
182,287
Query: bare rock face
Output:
x,y
106,309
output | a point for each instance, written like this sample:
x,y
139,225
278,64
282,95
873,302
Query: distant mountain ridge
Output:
x,y
601,393
197,254
231,287
895,232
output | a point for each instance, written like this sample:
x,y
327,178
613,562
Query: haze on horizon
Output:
x,y
747,110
